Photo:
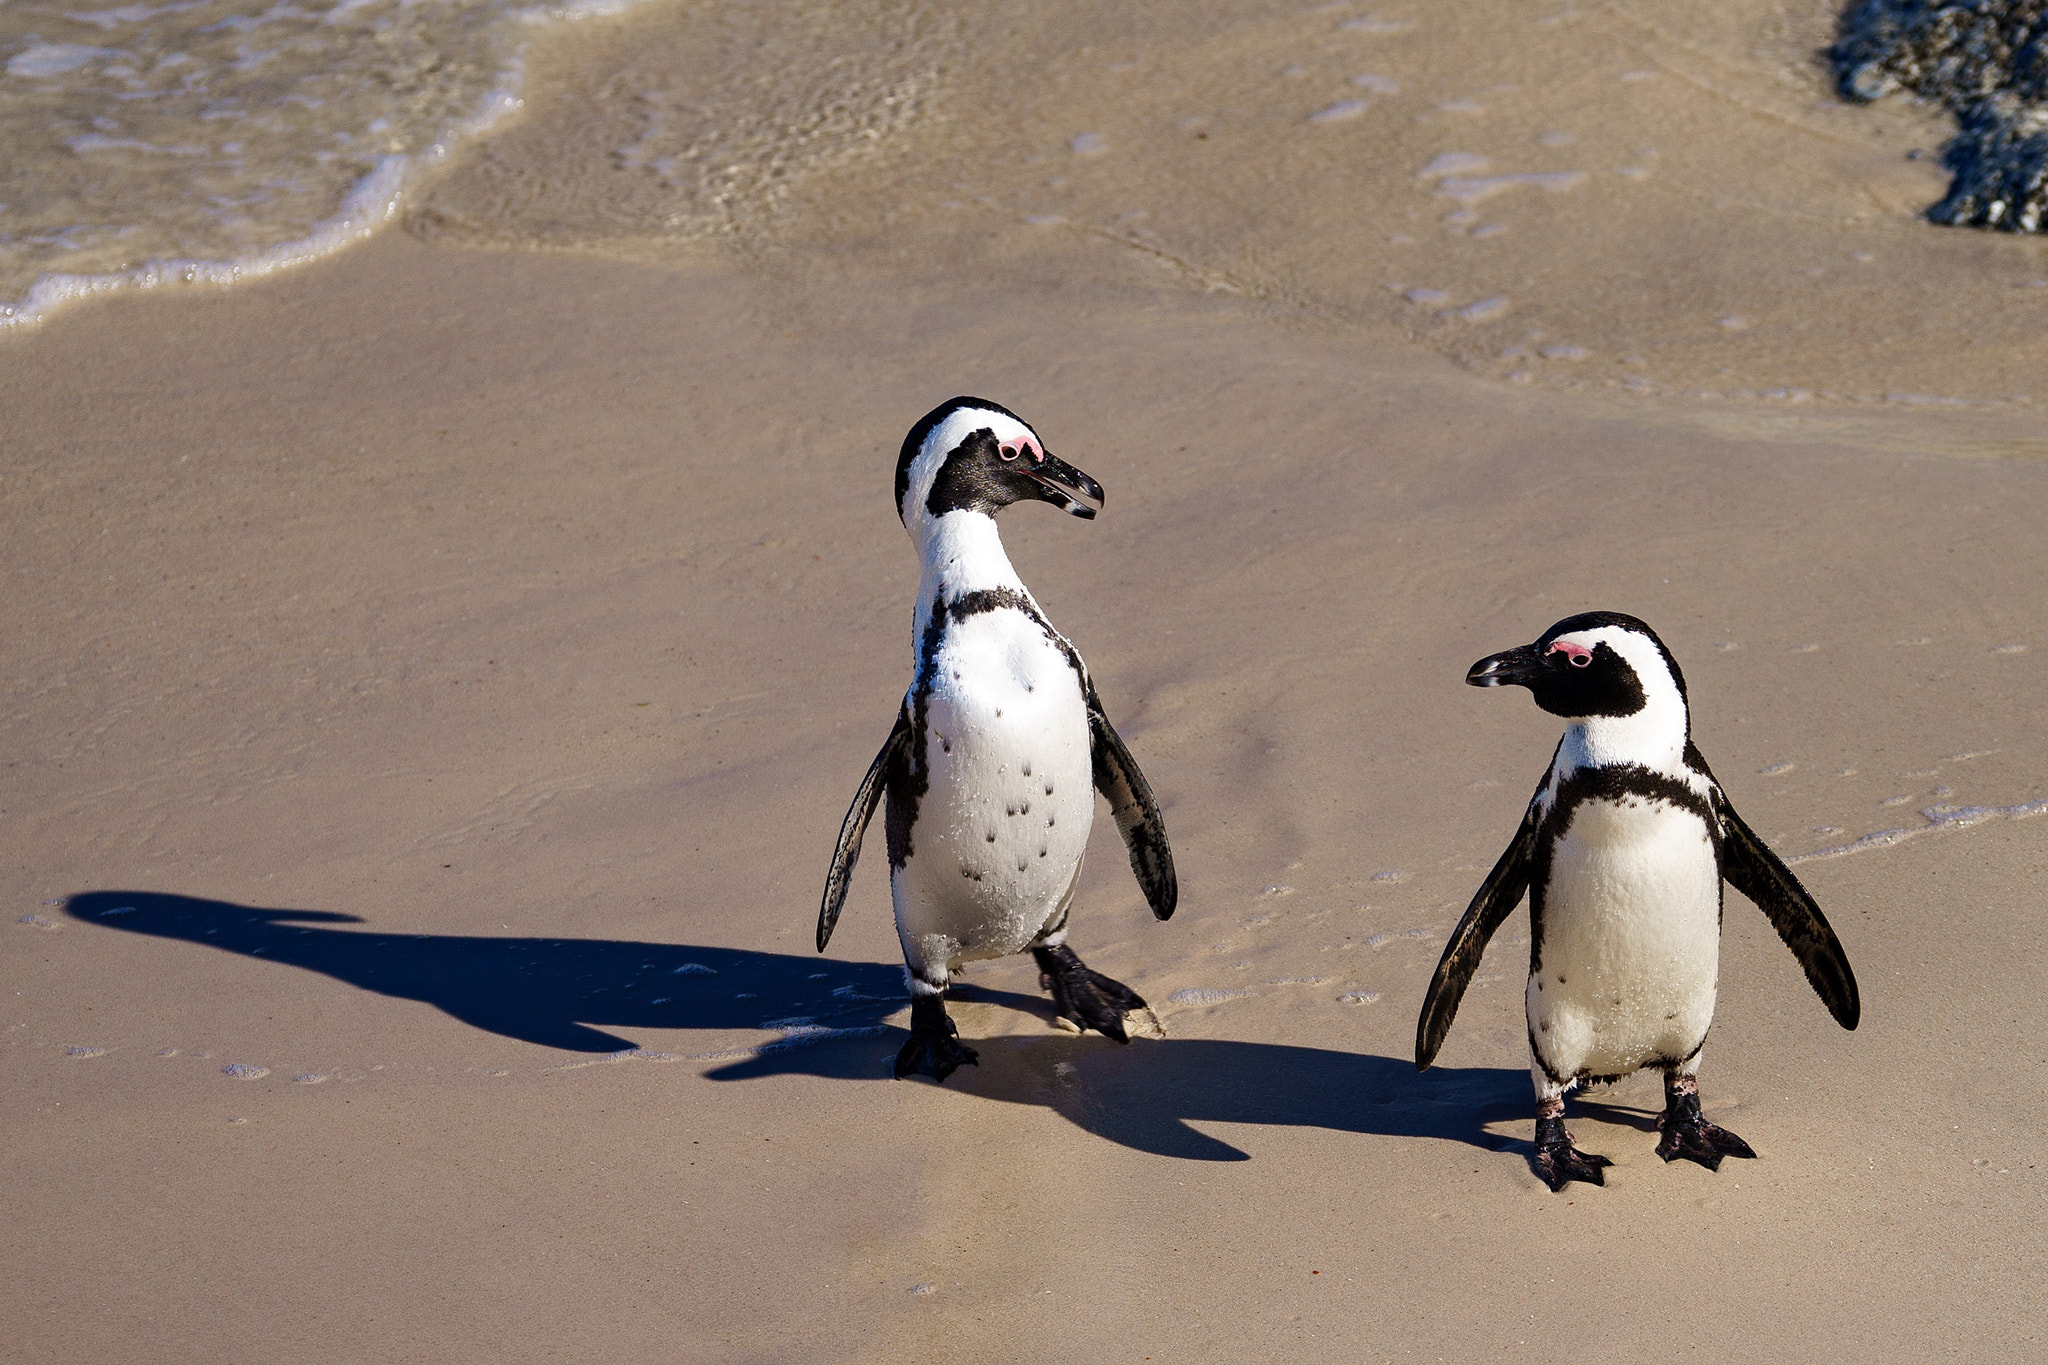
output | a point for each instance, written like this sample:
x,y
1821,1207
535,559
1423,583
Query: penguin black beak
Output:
x,y
1062,485
1510,668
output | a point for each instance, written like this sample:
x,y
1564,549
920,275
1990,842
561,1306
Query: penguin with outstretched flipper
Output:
x,y
991,771
1622,852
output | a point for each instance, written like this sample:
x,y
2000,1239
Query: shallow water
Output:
x,y
222,137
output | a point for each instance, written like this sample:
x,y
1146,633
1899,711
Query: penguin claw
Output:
x,y
934,1047
1559,1163
937,1055
1084,997
1686,1133
1562,1164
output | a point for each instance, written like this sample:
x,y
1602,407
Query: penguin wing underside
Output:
x,y
895,749
1498,895
1136,813
1751,868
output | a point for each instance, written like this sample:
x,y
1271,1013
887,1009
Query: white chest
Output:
x,y
1630,938
1010,800
1633,870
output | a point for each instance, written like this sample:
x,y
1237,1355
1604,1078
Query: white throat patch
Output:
x,y
1655,736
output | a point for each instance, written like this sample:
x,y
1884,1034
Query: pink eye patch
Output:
x,y
1578,654
1010,450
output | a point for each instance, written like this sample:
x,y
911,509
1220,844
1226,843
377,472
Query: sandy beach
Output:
x,y
437,676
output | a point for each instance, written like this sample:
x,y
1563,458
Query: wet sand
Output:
x,y
438,677
1643,196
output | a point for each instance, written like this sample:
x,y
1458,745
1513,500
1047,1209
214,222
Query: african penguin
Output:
x,y
1623,851
998,750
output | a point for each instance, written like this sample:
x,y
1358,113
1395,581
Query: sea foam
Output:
x,y
216,141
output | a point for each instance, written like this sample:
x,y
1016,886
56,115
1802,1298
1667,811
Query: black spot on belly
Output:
x,y
991,836
1048,789
1041,853
1027,770
1050,822
1020,864
1024,809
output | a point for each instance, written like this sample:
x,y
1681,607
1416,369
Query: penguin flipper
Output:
x,y
1751,868
895,749
1498,895
1136,812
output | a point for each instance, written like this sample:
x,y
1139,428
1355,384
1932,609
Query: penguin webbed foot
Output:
x,y
1085,997
934,1048
1686,1133
1559,1163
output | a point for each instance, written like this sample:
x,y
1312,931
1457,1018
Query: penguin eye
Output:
x,y
1579,655
1009,452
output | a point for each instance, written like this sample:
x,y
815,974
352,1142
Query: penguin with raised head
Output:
x,y
1623,851
1001,744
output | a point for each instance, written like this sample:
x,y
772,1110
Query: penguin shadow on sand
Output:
x,y
575,994
591,995
1147,1094
1144,1094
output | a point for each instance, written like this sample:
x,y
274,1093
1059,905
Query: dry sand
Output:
x,y
437,677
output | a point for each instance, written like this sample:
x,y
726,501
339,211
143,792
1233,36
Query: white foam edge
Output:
x,y
1204,995
1937,817
371,202
792,1039
793,1036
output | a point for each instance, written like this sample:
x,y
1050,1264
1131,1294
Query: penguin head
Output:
x,y
1599,664
968,454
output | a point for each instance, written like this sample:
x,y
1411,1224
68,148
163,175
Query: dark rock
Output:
x,y
1987,62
